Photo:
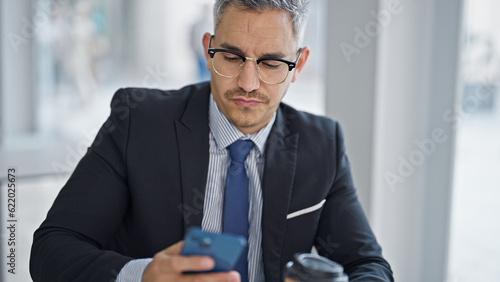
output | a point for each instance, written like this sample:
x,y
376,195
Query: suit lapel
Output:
x,y
281,156
279,172
192,139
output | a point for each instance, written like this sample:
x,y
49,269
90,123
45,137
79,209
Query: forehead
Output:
x,y
256,32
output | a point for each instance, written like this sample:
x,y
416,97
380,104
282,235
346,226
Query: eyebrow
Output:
x,y
277,55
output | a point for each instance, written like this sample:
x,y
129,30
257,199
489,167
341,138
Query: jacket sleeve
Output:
x,y
70,243
344,234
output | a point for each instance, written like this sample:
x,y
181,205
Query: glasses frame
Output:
x,y
212,51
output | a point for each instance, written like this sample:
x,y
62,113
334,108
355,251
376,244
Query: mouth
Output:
x,y
248,103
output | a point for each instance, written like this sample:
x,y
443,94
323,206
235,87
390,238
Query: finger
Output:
x,y
175,249
179,264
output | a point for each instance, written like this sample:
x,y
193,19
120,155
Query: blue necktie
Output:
x,y
236,199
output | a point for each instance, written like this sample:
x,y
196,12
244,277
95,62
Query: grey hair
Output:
x,y
298,10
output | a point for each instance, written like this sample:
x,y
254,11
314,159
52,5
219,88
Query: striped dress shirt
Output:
x,y
222,134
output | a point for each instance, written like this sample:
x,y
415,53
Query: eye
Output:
x,y
271,64
231,58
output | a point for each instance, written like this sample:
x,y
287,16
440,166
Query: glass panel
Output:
x,y
73,55
475,248
33,197
307,92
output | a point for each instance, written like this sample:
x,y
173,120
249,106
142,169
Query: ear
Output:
x,y
206,39
300,64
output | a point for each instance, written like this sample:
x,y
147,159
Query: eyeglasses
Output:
x,y
228,63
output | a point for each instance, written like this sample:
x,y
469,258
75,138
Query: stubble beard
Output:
x,y
246,121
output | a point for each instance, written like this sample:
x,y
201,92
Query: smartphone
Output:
x,y
225,249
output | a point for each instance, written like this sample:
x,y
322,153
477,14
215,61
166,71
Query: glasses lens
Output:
x,y
230,65
227,64
272,71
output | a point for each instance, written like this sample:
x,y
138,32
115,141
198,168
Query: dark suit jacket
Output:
x,y
142,184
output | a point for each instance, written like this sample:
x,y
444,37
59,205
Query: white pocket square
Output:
x,y
306,210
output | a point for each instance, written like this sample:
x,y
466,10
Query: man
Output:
x,y
164,161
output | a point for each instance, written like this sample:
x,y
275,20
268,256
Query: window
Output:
x,y
475,248
62,62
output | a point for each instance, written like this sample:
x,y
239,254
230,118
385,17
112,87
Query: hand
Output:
x,y
168,265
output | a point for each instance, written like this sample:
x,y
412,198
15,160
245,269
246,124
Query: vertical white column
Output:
x,y
2,78
151,45
414,137
18,31
350,83
391,82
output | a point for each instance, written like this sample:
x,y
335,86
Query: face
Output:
x,y
248,102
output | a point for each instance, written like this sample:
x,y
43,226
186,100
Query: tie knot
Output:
x,y
239,150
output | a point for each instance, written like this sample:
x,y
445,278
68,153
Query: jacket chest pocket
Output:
x,y
300,234
304,222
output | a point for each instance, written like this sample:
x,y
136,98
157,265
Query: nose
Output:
x,y
248,79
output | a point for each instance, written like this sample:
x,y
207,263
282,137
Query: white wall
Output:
x,y
350,85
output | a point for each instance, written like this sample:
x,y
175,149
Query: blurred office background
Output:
x,y
415,85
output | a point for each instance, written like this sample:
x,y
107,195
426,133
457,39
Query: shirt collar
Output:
x,y
225,133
